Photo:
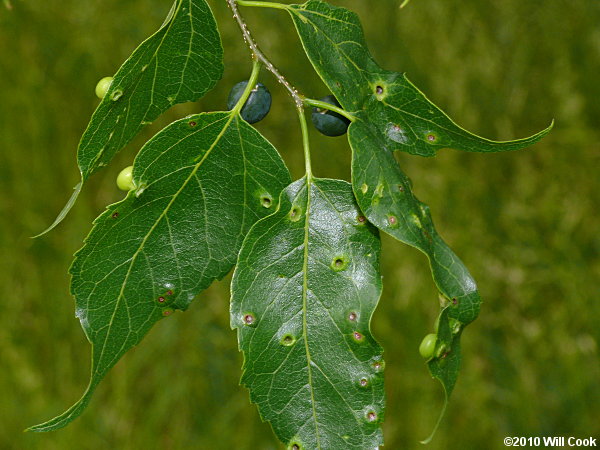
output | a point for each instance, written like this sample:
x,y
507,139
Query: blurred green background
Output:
x,y
525,223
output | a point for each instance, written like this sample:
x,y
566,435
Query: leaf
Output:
x,y
385,196
390,114
303,293
201,183
407,120
179,63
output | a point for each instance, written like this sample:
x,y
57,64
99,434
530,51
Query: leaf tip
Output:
x,y
63,213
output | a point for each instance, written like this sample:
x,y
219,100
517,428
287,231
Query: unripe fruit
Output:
x,y
427,347
257,105
125,179
103,86
328,122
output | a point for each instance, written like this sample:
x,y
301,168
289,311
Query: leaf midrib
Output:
x,y
151,230
305,307
100,154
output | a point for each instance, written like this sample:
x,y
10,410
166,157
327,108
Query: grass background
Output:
x,y
526,224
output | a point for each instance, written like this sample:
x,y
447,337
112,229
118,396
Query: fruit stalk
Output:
x,y
258,54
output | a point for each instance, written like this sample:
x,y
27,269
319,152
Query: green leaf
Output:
x,y
303,293
407,120
384,194
201,183
390,114
179,63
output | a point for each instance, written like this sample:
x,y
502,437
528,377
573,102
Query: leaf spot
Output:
x,y
358,337
396,133
339,263
295,213
379,90
431,138
416,220
249,319
379,190
454,301
393,221
116,94
364,188
266,201
167,312
161,300
361,219
371,416
115,215
378,364
363,382
288,340
192,123
352,316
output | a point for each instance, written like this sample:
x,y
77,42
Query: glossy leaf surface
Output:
x,y
179,63
392,114
335,44
303,293
201,183
385,196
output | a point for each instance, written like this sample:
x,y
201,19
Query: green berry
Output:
x,y
125,179
427,347
103,86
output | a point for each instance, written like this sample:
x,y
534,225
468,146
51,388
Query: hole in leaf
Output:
x,y
379,90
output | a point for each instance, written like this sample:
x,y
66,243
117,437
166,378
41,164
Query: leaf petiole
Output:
x,y
256,65
324,105
305,144
258,4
